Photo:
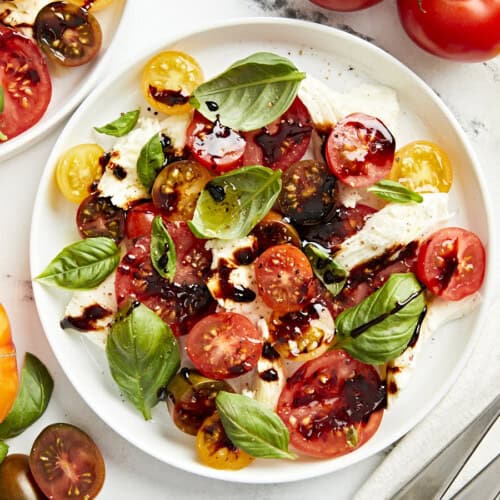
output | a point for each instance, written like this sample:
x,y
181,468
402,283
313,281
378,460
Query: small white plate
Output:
x,y
71,85
342,61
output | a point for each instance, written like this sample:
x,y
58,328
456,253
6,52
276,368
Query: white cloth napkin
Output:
x,y
475,388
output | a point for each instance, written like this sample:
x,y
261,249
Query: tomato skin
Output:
x,y
465,30
140,219
451,263
8,366
16,480
345,5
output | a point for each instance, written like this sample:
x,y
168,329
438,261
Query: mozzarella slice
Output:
x,y
175,127
21,13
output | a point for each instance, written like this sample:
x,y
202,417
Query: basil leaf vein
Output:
x,y
252,427
82,265
32,399
122,125
232,204
379,328
4,449
150,161
251,93
143,355
163,254
395,191
331,274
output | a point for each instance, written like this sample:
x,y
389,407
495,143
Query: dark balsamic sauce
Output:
x,y
87,321
212,106
119,172
269,352
104,160
416,333
228,290
217,192
270,375
168,97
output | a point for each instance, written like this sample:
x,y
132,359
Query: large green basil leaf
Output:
x,y
395,192
122,125
251,93
163,254
253,427
150,161
380,328
4,449
32,399
232,204
82,265
143,355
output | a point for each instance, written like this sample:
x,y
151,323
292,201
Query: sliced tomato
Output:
x,y
8,366
25,81
451,263
284,278
224,345
360,150
213,145
139,220
282,142
273,230
332,405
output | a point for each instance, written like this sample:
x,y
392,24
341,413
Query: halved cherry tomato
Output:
x,y
422,166
345,5
360,150
214,145
68,34
168,80
332,405
25,81
77,169
16,480
92,5
66,463
177,187
8,366
224,345
451,263
282,142
273,230
216,450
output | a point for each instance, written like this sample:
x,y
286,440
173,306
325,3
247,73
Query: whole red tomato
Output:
x,y
345,5
464,30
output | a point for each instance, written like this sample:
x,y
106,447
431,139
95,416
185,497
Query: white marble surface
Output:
x,y
471,91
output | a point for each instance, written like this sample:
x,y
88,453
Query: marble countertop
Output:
x,y
471,91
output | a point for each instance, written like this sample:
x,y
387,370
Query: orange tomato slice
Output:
x,y
9,379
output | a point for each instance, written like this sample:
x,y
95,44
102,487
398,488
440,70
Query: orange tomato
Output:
x,y
9,380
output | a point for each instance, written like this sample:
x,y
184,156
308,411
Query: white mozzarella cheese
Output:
x,y
175,127
20,13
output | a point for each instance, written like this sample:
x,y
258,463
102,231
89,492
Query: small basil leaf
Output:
x,y
331,274
1,99
394,191
4,449
32,399
163,255
122,125
351,436
253,427
380,328
232,204
251,93
82,265
143,355
150,161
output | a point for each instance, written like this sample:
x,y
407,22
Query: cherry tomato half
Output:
x,y
8,366
451,263
332,405
274,230
16,480
224,345
360,150
25,81
345,5
465,30
66,463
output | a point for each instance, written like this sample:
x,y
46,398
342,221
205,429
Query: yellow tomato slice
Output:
x,y
93,5
168,80
77,169
9,380
423,167
216,450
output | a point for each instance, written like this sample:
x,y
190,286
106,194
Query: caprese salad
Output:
x,y
257,253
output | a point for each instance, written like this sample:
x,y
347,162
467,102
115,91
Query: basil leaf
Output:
x,y
143,355
380,328
394,191
122,125
331,274
163,255
32,399
253,427
4,449
1,99
82,265
232,204
251,93
150,161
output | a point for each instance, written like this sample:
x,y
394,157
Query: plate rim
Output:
x,y
229,476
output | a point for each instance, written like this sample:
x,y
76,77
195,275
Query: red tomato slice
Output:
x,y
214,145
25,81
139,220
284,278
360,150
281,143
224,345
451,263
332,405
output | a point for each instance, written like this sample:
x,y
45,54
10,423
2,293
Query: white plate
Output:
x,y
71,85
342,60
